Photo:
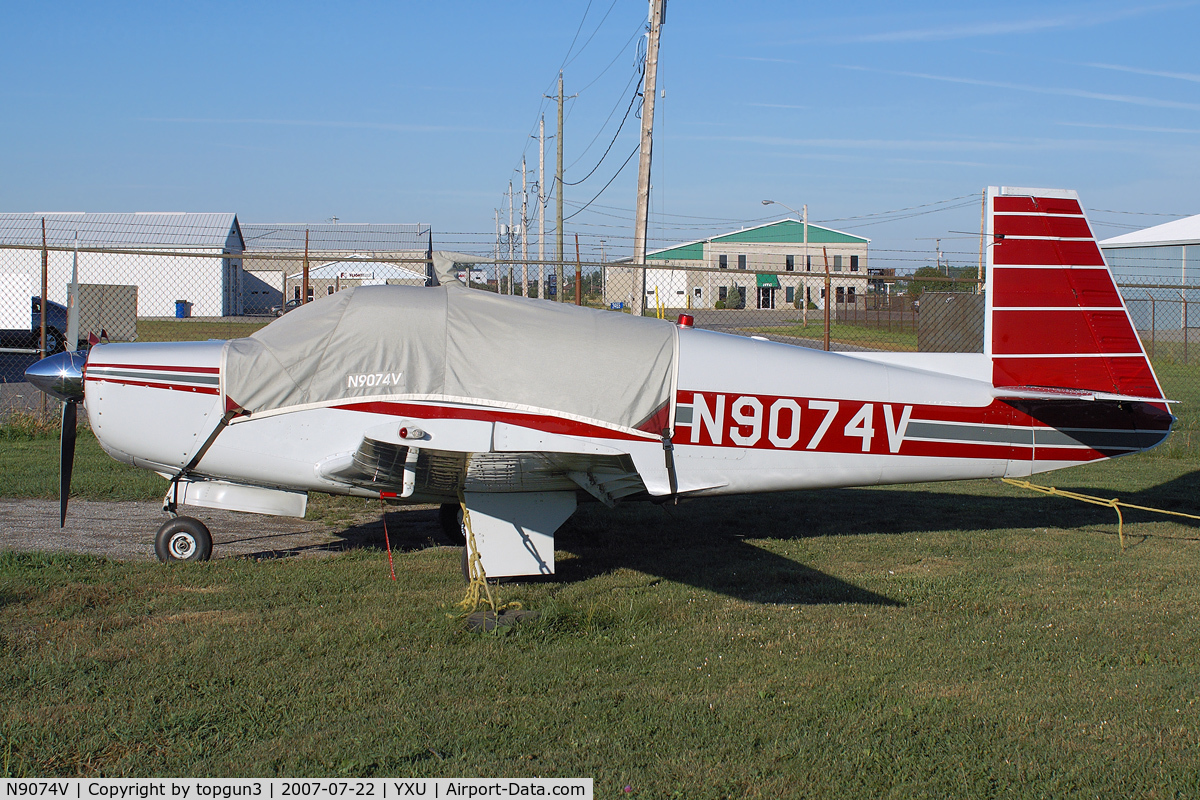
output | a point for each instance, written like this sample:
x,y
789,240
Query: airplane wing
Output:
x,y
408,470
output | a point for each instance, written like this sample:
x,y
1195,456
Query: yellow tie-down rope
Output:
x,y
1115,504
477,585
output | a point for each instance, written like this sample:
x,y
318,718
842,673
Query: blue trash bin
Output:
x,y
182,309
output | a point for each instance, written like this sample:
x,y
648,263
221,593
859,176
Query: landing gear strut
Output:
x,y
183,539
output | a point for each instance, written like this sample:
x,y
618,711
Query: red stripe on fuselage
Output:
x,y
162,368
541,422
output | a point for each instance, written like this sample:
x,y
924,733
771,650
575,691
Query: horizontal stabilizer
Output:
x,y
1049,393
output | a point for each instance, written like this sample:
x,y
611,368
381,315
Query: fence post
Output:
x,y
1185,330
1153,326
304,277
828,296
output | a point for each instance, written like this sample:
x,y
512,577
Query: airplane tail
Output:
x,y
1055,320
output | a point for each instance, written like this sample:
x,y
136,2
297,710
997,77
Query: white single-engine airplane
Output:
x,y
522,407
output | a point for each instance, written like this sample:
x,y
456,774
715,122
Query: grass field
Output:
x,y
922,641
193,329
844,333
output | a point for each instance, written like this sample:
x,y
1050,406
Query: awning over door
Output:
x,y
767,280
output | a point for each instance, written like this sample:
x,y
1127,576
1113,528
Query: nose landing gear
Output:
x,y
183,539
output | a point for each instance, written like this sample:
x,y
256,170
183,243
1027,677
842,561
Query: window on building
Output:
x,y
297,292
849,294
837,263
310,294
854,263
789,294
790,266
841,294
741,262
329,289
723,261
808,263
723,293
696,291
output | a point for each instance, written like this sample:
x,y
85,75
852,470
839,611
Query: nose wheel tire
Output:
x,y
183,539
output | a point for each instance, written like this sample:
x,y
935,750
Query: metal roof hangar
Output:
x,y
1156,260
200,262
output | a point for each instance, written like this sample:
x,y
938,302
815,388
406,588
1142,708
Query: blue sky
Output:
x,y
407,112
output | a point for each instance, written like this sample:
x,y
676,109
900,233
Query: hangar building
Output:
x,y
200,261
1149,263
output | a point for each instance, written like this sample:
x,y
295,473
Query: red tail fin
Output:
x,y
1054,316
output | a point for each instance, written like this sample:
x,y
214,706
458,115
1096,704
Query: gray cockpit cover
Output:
x,y
456,344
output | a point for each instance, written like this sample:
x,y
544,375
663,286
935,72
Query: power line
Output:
x,y
593,36
633,153
608,149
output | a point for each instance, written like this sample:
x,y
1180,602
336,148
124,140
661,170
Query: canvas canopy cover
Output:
x,y
450,343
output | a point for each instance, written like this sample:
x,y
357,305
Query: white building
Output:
x,y
1149,264
199,260
276,251
354,271
740,264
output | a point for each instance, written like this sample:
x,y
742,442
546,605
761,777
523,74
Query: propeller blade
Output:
x,y
66,459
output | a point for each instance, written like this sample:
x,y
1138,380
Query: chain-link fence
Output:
x,y
147,294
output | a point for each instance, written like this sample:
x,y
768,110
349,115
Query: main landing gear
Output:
x,y
183,539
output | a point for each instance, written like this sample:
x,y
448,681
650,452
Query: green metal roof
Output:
x,y
785,231
685,252
790,231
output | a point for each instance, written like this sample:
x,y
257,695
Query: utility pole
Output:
x,y
510,238
542,208
647,144
558,177
524,231
497,250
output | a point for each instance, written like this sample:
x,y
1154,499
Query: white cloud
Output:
x,y
1115,98
1183,76
382,126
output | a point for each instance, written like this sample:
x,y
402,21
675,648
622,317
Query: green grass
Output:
x,y
194,329
930,641
1181,382
29,468
843,333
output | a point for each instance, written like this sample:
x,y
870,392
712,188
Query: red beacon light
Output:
x,y
686,321
411,432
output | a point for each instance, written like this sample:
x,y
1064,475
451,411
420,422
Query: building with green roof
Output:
x,y
768,266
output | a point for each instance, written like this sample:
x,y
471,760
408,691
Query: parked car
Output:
x,y
290,305
56,324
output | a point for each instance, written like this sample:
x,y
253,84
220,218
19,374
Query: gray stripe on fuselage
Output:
x,y
968,433
173,377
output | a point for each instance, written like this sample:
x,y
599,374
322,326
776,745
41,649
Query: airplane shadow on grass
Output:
x,y
703,543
